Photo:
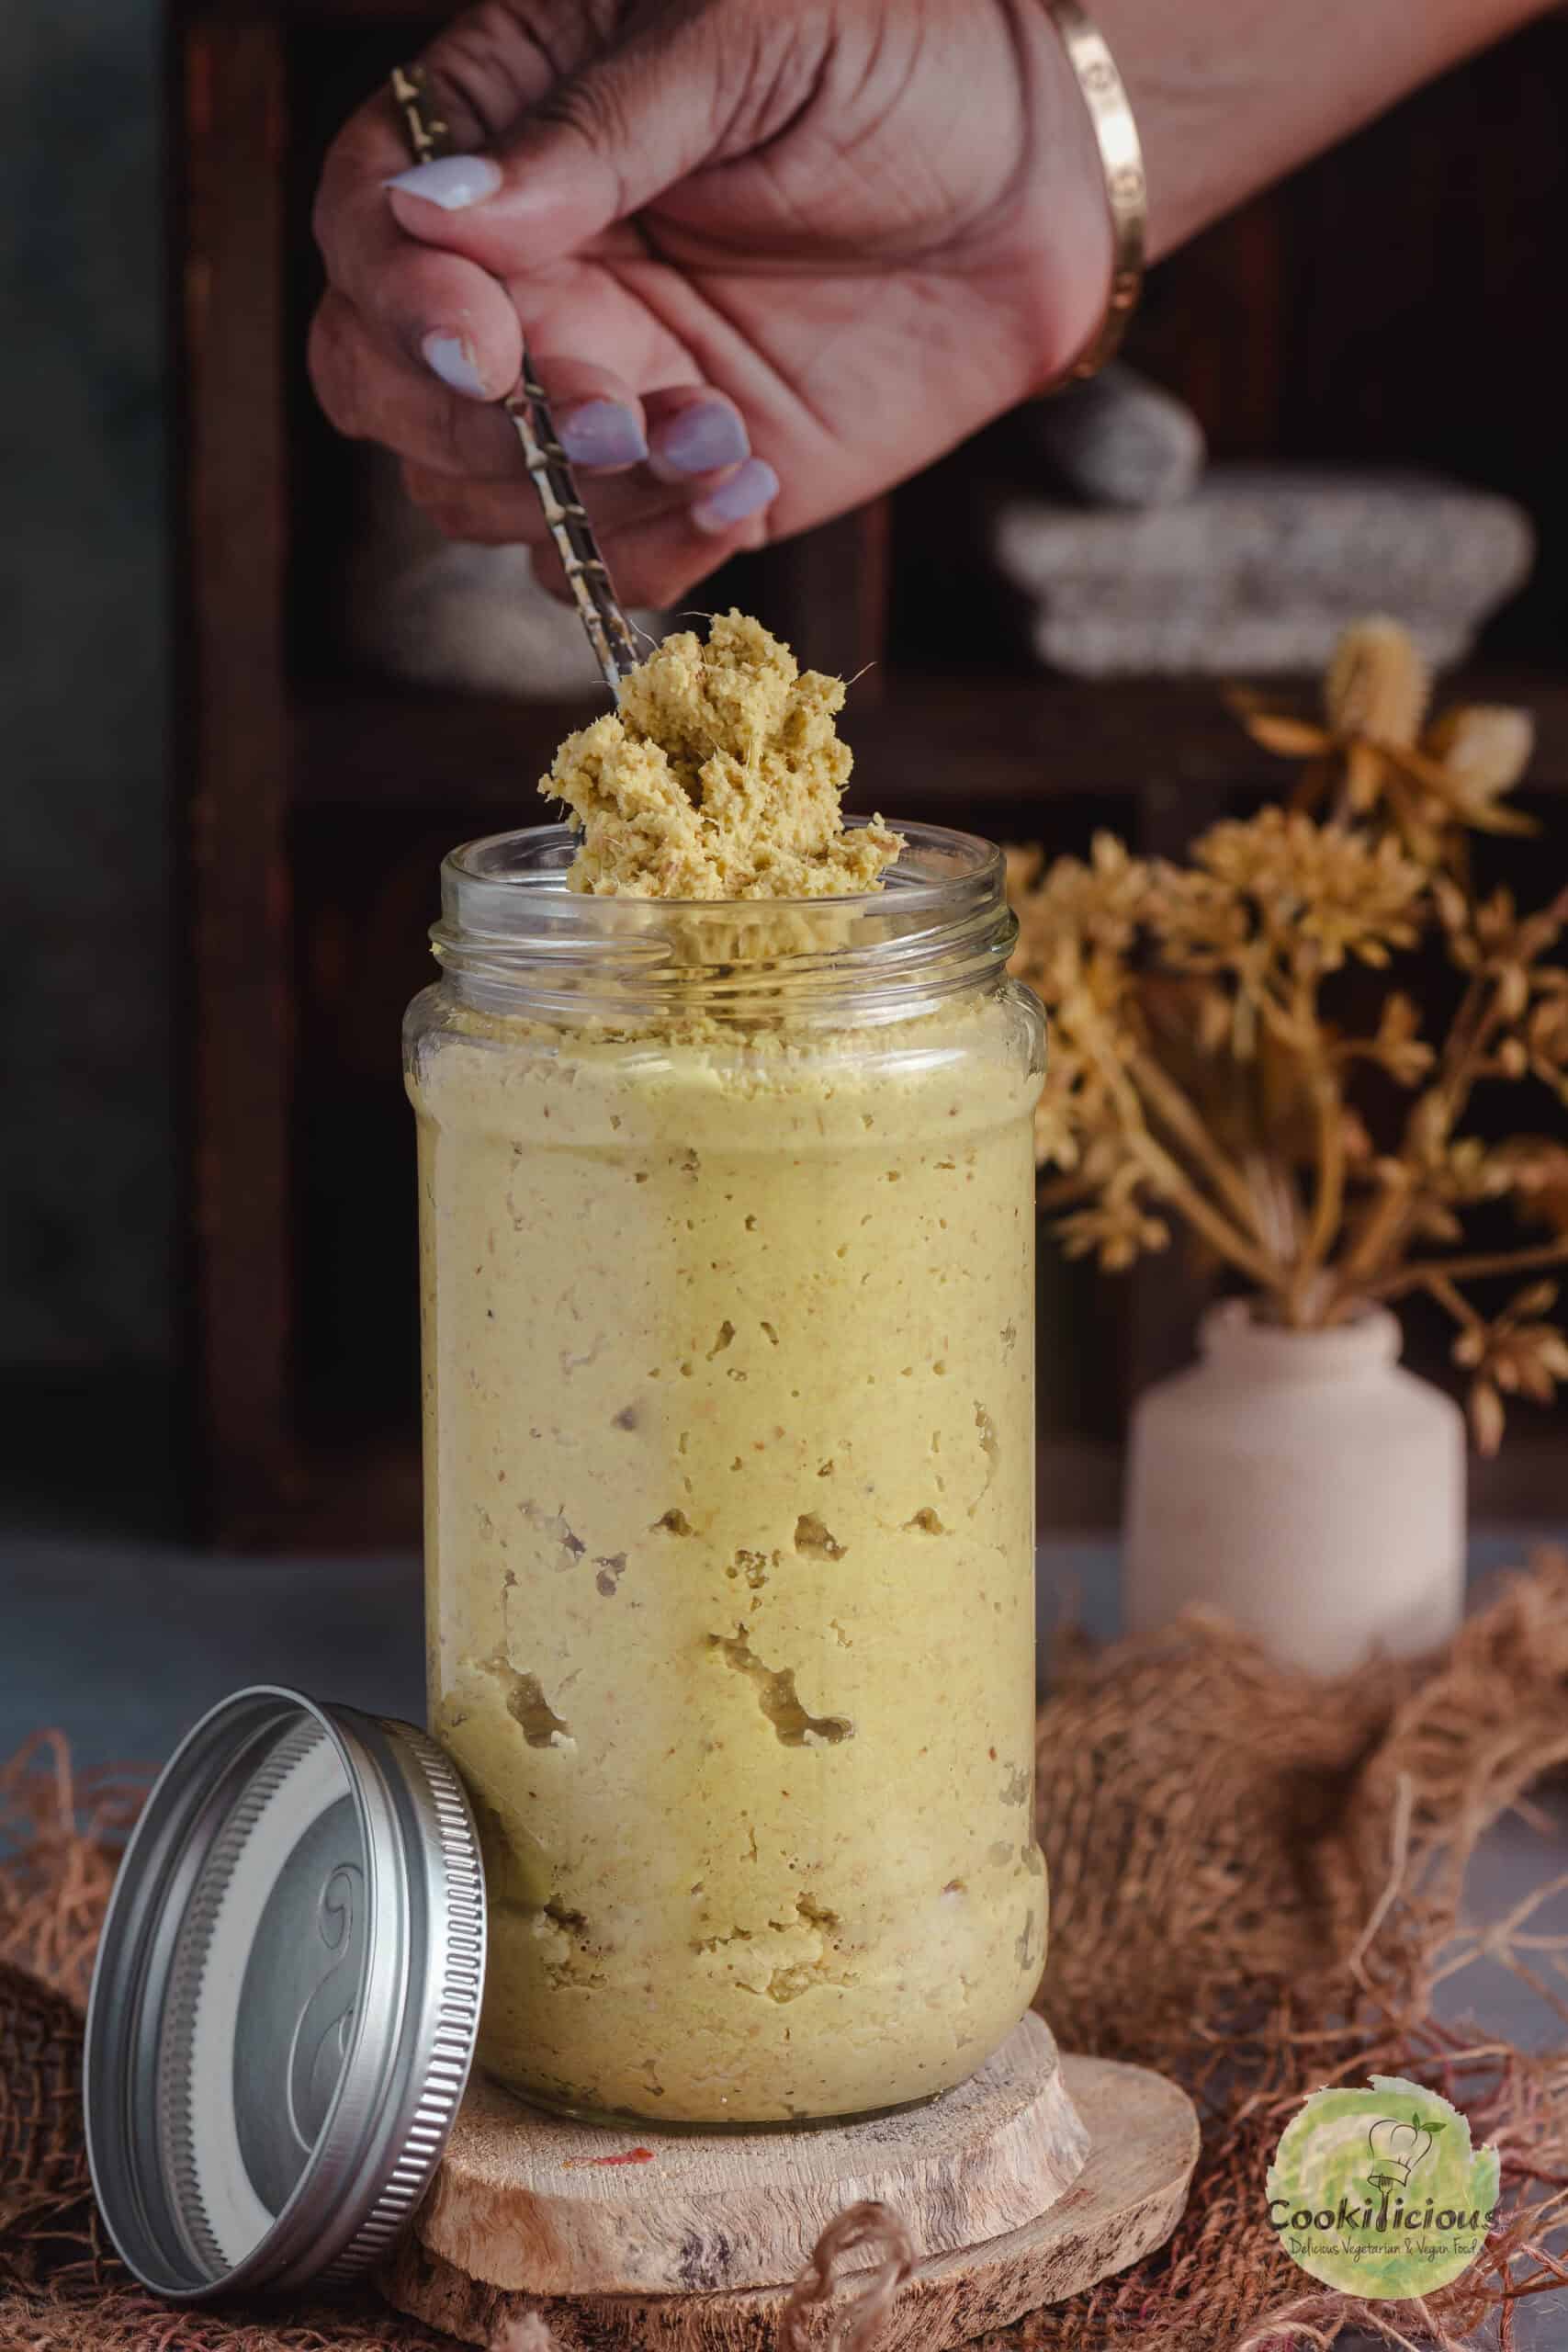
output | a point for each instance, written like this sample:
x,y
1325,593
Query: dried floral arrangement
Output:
x,y
1218,1059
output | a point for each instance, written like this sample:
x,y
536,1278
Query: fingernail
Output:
x,y
454,182
448,356
746,491
601,433
699,439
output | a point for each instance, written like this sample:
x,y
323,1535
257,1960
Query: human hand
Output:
x,y
769,260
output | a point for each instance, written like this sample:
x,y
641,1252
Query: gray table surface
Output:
x,y
123,1645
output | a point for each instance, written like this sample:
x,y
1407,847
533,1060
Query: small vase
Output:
x,y
1303,1484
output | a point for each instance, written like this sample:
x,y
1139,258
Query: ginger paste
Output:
x,y
729,1421
719,777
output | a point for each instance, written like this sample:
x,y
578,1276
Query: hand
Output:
x,y
770,257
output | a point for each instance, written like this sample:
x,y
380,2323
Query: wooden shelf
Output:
x,y
316,805
995,741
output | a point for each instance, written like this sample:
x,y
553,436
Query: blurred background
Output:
x,y
248,708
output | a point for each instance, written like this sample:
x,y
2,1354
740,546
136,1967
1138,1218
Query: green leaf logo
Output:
x,y
1378,2191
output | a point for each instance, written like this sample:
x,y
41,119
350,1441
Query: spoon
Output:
x,y
598,607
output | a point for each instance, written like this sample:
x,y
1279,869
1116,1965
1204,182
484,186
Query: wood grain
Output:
x,y
530,2201
234,530
1125,2201
989,752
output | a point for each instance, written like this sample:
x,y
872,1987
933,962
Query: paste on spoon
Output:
x,y
720,775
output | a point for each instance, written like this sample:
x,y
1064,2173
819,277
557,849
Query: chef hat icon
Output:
x,y
1399,2147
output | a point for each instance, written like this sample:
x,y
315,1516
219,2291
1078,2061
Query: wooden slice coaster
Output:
x,y
1125,2201
528,2201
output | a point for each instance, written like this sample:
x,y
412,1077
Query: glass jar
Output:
x,y
728,1229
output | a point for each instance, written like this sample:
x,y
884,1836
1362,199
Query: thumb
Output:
x,y
674,95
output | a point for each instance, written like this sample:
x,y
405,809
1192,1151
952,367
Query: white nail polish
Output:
x,y
448,356
454,182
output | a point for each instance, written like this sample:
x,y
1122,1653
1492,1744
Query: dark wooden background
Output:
x,y
1397,302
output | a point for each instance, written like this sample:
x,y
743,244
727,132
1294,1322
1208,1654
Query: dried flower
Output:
x,y
1545,1032
1396,1044
1378,686
1483,749
1316,893
1117,1226
1515,1354
1371,754
1209,1066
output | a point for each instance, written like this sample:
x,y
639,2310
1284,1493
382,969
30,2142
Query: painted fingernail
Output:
x,y
454,182
448,356
748,490
699,439
601,433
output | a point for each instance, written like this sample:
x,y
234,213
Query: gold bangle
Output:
x,y
1126,189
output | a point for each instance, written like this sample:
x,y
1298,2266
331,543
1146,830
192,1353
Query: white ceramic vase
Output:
x,y
1303,1484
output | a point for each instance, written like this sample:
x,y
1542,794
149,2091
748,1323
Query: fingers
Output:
x,y
599,420
417,339
748,491
693,431
590,150
599,417
498,514
509,514
371,397
656,537
439,311
697,452
658,560
430,311
669,481
431,308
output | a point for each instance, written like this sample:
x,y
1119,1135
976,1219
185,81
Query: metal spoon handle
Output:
x,y
598,606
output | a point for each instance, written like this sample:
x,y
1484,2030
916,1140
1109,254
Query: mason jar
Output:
x,y
727,1236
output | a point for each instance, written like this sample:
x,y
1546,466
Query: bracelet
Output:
x,y
1126,189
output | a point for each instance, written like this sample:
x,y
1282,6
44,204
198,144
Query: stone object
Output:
x,y
1261,570
1120,440
1302,1485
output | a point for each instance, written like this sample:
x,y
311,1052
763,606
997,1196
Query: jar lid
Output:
x,y
286,2000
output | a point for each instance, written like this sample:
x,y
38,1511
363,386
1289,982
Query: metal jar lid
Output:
x,y
285,1999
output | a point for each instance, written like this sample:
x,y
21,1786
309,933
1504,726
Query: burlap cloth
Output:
x,y
1256,1886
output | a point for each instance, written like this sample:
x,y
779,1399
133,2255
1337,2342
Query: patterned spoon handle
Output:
x,y
598,606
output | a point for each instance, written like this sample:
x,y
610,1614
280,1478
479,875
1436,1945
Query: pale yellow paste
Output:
x,y
719,777
729,1346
